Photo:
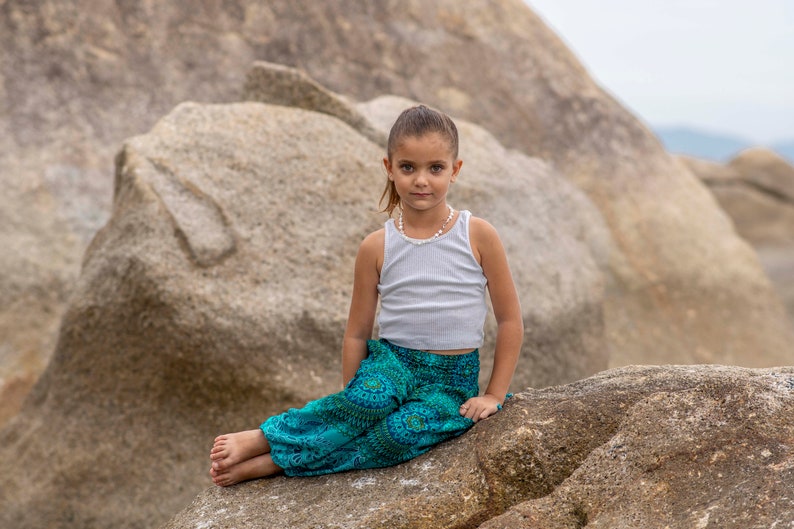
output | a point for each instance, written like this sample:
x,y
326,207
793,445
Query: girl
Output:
x,y
418,384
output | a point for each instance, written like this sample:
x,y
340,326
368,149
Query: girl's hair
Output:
x,y
414,122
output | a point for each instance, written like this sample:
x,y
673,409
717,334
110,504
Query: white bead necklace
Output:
x,y
436,235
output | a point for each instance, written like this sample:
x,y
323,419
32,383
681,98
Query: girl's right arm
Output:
x,y
363,304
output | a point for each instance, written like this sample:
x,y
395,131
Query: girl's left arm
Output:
x,y
489,250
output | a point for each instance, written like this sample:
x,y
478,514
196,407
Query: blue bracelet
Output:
x,y
499,406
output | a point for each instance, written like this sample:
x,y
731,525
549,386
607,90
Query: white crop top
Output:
x,y
432,294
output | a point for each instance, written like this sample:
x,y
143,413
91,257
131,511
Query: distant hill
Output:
x,y
713,146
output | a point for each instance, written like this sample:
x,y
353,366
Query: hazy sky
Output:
x,y
725,66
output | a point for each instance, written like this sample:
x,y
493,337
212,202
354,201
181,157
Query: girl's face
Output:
x,y
422,169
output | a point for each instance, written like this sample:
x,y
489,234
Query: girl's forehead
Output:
x,y
428,144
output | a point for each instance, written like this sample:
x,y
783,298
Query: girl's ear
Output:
x,y
387,165
456,169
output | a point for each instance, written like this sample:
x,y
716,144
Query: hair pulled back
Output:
x,y
412,123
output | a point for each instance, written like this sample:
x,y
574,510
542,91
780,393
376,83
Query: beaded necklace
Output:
x,y
436,235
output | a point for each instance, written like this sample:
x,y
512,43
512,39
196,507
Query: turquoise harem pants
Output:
x,y
398,405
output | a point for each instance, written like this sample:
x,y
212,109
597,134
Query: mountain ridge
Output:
x,y
715,146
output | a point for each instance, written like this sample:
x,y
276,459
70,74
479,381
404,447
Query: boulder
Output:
x,y
675,446
281,85
779,264
756,189
217,294
38,259
77,77
766,170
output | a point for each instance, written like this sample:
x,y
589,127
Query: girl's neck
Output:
x,y
427,224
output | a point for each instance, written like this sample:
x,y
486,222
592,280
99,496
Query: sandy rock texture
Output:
x,y
80,76
756,189
658,447
216,295
213,295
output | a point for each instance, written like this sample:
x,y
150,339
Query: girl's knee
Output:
x,y
409,427
373,391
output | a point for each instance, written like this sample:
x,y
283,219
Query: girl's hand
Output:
x,y
480,407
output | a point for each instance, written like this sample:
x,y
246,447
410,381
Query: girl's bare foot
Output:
x,y
233,448
255,467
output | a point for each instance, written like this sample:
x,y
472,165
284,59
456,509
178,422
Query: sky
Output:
x,y
723,66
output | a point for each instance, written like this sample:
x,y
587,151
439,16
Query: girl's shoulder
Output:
x,y
483,237
374,239
481,229
371,248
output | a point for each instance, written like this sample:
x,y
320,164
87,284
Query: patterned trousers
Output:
x,y
399,404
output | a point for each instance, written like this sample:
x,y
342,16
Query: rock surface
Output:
x,y
756,189
147,354
766,170
675,447
217,294
33,288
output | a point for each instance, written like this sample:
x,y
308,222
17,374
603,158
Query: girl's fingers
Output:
x,y
476,411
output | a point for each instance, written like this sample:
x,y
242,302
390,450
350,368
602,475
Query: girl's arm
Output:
x,y
363,304
490,252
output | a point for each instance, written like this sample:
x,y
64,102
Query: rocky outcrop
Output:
x,y
169,335
767,171
79,76
217,295
756,189
38,259
277,84
677,447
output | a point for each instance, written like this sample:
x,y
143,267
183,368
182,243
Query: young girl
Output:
x,y
418,384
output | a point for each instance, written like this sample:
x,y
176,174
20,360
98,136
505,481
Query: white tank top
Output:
x,y
432,294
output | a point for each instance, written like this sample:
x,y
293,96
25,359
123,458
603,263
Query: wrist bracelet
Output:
x,y
499,406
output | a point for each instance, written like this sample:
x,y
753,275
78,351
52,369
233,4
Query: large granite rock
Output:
x,y
77,77
37,261
658,447
767,171
217,295
756,189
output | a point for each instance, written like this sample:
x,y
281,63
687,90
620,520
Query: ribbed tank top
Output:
x,y
432,294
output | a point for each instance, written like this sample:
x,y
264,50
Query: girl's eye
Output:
x,y
437,168
406,168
